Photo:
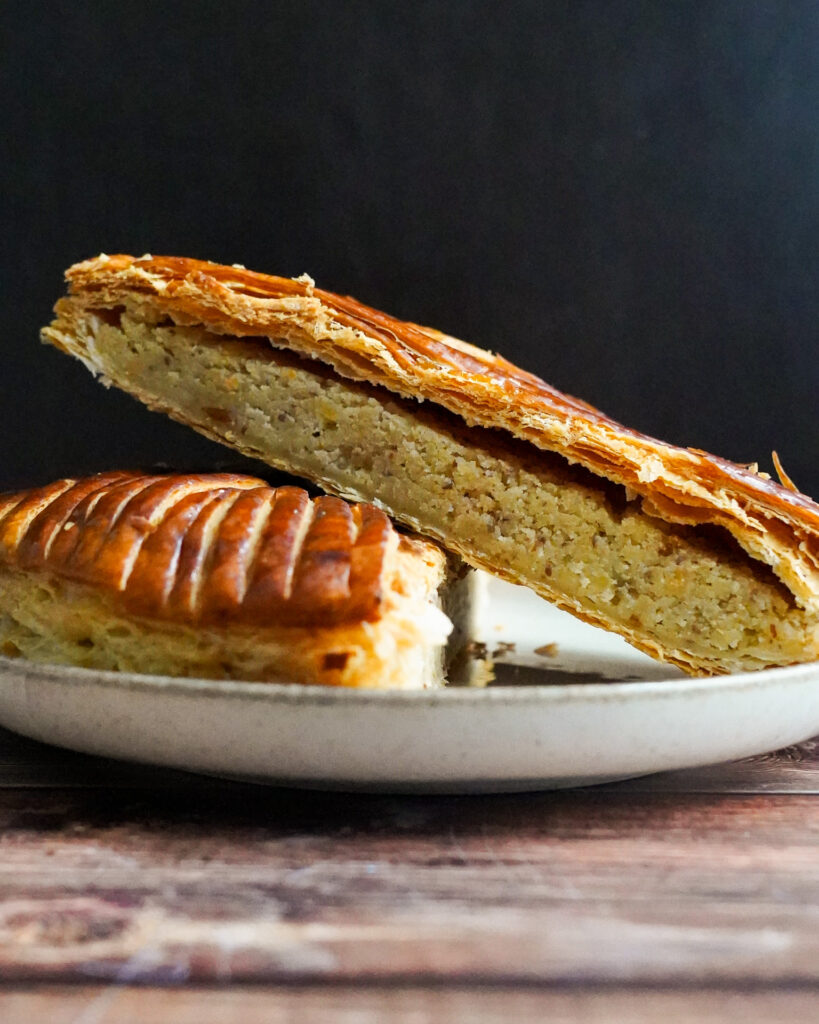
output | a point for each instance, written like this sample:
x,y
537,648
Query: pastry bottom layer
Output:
x,y
55,621
688,595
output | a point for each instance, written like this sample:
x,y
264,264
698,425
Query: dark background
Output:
x,y
622,196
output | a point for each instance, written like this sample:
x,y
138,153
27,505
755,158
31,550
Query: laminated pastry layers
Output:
x,y
221,576
691,558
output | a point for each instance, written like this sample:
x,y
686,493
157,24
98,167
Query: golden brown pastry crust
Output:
x,y
207,550
680,485
220,576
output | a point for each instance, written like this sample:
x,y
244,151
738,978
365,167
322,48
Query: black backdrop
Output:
x,y
622,196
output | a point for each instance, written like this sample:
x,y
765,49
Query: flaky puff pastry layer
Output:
x,y
687,488
221,576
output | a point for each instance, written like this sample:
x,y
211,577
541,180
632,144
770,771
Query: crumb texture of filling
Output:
x,y
559,529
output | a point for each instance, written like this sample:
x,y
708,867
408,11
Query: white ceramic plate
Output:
x,y
588,709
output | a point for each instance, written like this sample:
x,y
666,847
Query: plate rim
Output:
x,y
317,695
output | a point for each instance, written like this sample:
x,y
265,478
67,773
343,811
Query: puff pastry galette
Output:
x,y
691,558
221,576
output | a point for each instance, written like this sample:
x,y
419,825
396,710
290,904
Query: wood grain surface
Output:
x,y
664,888
414,1005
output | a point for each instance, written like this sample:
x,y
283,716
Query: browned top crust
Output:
x,y
211,549
681,485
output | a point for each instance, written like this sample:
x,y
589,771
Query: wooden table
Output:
x,y
137,895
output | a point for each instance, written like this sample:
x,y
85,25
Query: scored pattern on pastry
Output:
x,y
204,549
